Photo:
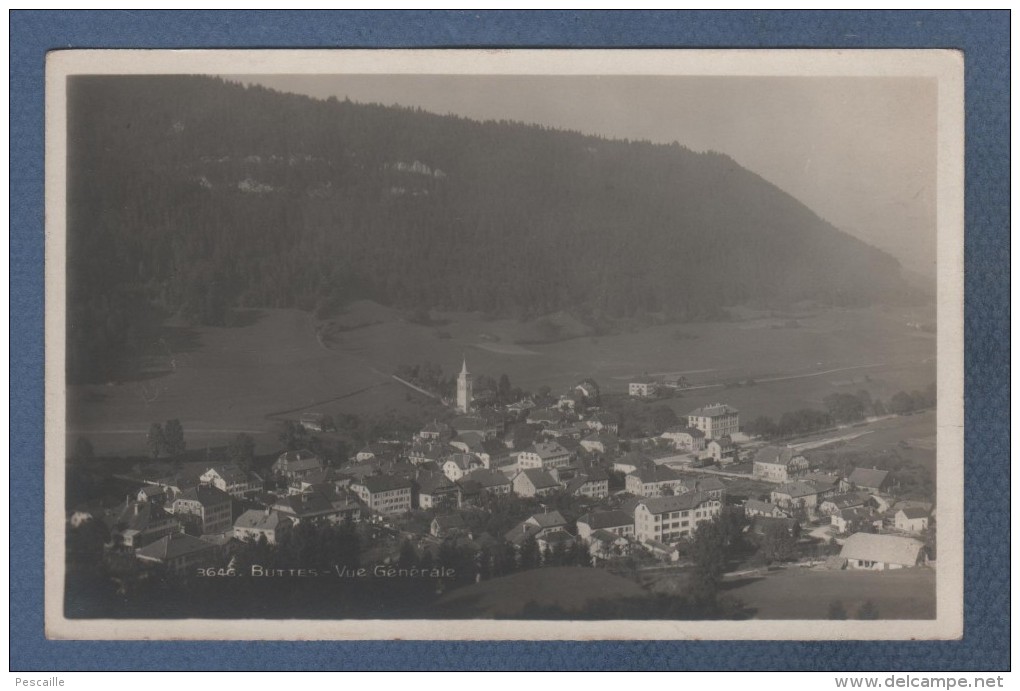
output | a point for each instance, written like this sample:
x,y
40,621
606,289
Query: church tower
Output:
x,y
464,392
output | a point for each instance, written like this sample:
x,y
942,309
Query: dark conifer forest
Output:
x,y
192,196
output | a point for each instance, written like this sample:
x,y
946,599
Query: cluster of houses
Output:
x,y
451,466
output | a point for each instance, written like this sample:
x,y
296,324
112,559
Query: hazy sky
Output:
x,y
861,152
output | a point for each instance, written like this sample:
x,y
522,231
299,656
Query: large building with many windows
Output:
x,y
668,519
716,420
384,494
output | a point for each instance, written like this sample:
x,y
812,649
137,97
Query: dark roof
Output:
x,y
139,516
558,536
520,532
454,520
580,481
605,536
868,477
205,495
487,478
548,449
683,502
173,546
306,505
606,519
384,483
914,512
775,454
550,519
302,459
540,478
656,473
847,500
230,473
713,410
693,431
796,489
433,482
462,460
703,484
256,519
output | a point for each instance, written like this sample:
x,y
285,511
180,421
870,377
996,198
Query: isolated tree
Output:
x,y
777,543
154,440
868,611
242,452
83,451
530,556
293,436
173,438
837,610
709,555
408,556
901,403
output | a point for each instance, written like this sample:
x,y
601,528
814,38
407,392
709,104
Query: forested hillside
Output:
x,y
194,196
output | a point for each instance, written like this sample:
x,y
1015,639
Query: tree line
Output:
x,y
194,197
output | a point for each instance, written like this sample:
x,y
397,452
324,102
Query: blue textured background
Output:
x,y
983,36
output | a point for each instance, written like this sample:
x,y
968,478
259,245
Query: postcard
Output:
x,y
504,344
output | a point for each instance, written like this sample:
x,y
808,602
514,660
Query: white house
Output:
x,y
547,455
778,464
912,519
715,420
645,387
882,552
668,519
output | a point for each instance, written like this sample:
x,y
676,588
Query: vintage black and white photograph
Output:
x,y
504,344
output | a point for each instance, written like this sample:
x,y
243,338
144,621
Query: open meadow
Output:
x,y
221,381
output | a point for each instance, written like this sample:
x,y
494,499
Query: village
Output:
x,y
575,494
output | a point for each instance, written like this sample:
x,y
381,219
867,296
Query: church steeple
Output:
x,y
465,392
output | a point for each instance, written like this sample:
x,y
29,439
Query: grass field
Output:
x,y
568,587
221,381
805,594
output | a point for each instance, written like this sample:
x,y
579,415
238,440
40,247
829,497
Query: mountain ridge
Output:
x,y
194,195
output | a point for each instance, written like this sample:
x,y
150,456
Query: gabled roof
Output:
x,y
469,423
683,429
683,502
914,512
548,449
847,500
139,516
487,478
781,455
464,461
297,461
890,549
434,482
260,520
579,481
868,477
555,537
762,506
703,484
796,489
230,473
539,478
173,546
713,410
383,483
473,440
599,520
305,505
656,473
550,519
454,520
520,532
205,495
602,535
